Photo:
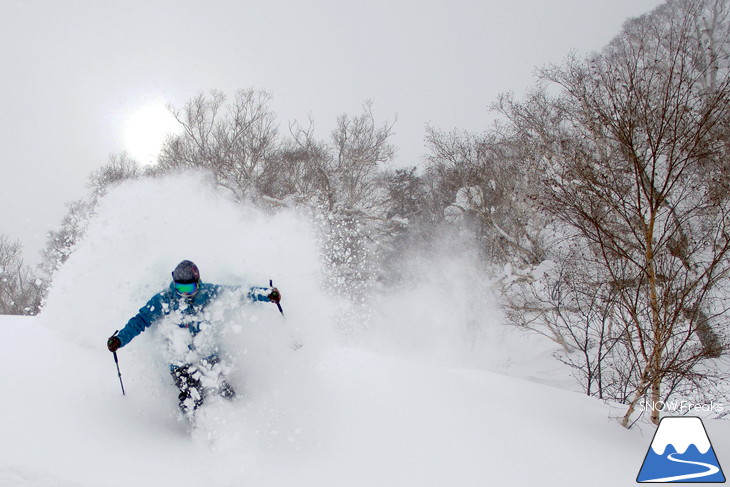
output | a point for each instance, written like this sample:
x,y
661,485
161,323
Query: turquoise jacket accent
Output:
x,y
169,301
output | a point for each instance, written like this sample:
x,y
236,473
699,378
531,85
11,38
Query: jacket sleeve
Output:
x,y
256,293
142,320
259,294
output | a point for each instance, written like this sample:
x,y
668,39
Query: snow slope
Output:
x,y
431,390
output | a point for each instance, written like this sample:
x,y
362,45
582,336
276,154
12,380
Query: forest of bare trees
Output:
x,y
599,201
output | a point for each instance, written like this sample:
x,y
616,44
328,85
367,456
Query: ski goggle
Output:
x,y
187,288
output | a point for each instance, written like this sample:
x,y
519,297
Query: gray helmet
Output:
x,y
186,272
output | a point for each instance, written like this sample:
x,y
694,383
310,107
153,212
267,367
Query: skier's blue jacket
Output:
x,y
169,301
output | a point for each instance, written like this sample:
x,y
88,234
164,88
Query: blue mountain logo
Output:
x,y
681,452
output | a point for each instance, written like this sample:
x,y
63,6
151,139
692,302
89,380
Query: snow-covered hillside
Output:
x,y
432,390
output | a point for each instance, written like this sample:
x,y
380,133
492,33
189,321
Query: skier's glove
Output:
x,y
274,296
113,343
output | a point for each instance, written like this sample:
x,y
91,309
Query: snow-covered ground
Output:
x,y
432,390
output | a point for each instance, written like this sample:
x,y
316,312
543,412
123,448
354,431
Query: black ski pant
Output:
x,y
188,379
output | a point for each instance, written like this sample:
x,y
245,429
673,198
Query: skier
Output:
x,y
195,363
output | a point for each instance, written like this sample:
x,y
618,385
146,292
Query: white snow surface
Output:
x,y
431,389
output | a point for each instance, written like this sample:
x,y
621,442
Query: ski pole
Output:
x,y
116,361
278,305
296,344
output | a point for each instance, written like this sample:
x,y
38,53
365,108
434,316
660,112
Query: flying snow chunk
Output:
x,y
681,452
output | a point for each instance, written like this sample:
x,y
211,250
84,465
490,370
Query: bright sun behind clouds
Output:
x,y
145,130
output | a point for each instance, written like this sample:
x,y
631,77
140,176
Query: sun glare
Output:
x,y
145,130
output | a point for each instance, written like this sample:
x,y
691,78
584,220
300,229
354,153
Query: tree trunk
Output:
x,y
654,367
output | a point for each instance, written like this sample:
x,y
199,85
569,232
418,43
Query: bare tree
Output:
x,y
20,289
489,180
234,141
121,167
301,172
632,152
360,148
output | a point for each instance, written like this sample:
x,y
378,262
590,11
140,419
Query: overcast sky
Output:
x,y
74,72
